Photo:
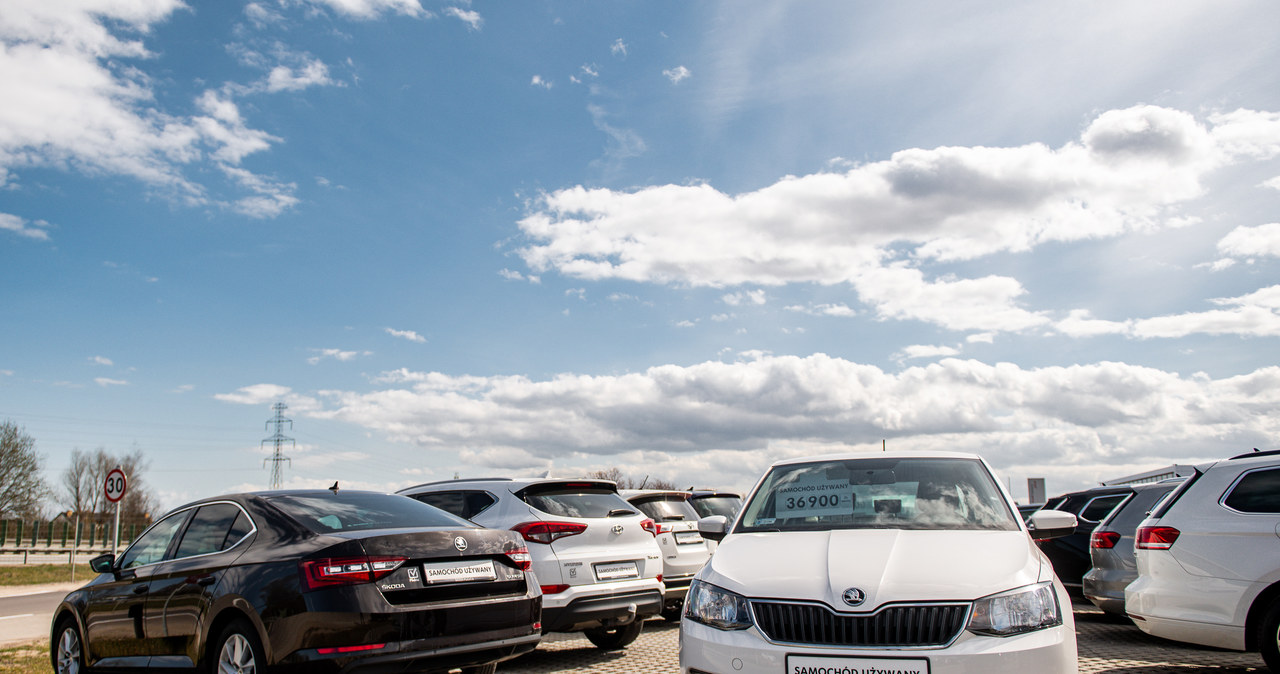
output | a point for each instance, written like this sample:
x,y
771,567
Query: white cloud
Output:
x,y
750,296
105,382
1080,323
285,78
840,310
1089,417
37,230
926,351
407,334
513,275
1254,315
372,9
618,48
469,17
1274,183
875,225
537,81
267,394
100,360
336,354
1247,242
677,74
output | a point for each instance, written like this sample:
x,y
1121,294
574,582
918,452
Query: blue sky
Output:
x,y
684,239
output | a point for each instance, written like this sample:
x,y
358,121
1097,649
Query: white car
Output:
x,y
595,555
901,562
684,551
1209,559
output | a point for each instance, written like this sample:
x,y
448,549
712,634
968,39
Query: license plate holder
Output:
x,y
616,570
857,665
459,572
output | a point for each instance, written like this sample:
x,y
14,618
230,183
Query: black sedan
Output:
x,y
314,581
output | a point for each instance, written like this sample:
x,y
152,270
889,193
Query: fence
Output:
x,y
60,540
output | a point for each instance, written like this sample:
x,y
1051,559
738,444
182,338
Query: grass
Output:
x,y
28,658
38,574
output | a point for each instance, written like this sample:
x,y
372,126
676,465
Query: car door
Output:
x,y
113,621
183,587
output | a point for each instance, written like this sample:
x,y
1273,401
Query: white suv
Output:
x,y
886,562
1209,559
595,556
684,551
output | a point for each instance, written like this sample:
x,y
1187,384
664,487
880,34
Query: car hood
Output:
x,y
889,565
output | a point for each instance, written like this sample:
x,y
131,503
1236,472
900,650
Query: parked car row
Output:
x,y
459,574
1193,559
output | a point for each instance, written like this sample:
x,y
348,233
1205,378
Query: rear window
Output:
x,y
467,504
333,513
1098,508
667,509
707,506
569,501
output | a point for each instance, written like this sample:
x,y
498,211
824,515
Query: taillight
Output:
x,y
546,532
1156,538
649,526
1104,540
665,527
553,589
521,558
318,573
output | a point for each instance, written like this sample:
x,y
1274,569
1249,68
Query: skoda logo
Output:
x,y
854,597
460,543
617,528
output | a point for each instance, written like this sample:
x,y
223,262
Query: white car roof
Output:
x,y
900,454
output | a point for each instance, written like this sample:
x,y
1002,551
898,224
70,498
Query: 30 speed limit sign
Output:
x,y
115,485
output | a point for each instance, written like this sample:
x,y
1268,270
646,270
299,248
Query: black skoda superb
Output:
x,y
312,581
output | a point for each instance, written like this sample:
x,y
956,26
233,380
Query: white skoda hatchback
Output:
x,y
901,562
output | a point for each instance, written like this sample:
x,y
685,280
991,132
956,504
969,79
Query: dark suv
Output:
x,y
1111,547
1070,554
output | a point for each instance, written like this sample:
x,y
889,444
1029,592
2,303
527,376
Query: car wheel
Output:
x,y
672,615
613,638
67,652
481,669
238,651
1269,637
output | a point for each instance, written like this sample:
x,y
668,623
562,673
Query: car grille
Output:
x,y
902,626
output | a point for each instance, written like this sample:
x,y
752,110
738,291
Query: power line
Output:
x,y
278,440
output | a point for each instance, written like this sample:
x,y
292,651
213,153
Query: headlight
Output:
x,y
1025,609
717,607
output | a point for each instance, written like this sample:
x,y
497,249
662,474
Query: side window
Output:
x,y
151,546
1256,492
465,504
1101,506
210,530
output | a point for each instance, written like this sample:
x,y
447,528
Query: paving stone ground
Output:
x,y
1106,645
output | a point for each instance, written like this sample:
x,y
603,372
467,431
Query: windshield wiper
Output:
x,y
620,512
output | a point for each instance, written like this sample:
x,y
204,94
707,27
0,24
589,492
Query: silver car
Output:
x,y
684,551
1111,547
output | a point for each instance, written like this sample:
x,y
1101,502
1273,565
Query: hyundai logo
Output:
x,y
460,543
854,597
617,528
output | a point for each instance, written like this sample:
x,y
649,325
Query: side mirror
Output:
x,y
713,527
1046,524
102,563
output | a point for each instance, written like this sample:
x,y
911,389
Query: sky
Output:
x,y
682,239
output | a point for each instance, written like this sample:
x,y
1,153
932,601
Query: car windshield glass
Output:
x,y
717,505
667,509
907,493
579,502
331,513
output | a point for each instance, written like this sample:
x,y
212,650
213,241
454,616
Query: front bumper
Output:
x,y
712,651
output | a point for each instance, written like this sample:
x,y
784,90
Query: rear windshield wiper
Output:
x,y
620,512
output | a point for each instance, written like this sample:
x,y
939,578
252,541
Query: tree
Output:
x,y
624,482
21,485
82,485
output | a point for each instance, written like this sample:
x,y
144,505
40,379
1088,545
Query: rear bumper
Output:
x,y
1105,588
409,656
607,609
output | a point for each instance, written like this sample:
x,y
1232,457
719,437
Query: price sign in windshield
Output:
x,y
813,496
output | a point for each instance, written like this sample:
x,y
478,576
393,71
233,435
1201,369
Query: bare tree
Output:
x,y
82,485
21,485
625,482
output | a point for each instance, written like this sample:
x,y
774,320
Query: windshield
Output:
x,y
876,493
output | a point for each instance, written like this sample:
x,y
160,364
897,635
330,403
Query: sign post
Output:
x,y
113,488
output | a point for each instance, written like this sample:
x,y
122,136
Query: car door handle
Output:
x,y
140,589
205,581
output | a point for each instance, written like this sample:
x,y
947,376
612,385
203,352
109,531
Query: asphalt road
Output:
x,y
25,612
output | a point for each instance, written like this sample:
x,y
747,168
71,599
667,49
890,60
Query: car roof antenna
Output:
x,y
334,488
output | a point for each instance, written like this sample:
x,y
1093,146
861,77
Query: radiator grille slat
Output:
x,y
903,626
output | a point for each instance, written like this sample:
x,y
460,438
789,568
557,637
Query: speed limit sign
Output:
x,y
115,485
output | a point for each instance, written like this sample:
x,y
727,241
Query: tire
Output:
x,y
237,650
490,668
613,638
672,615
66,653
1269,637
